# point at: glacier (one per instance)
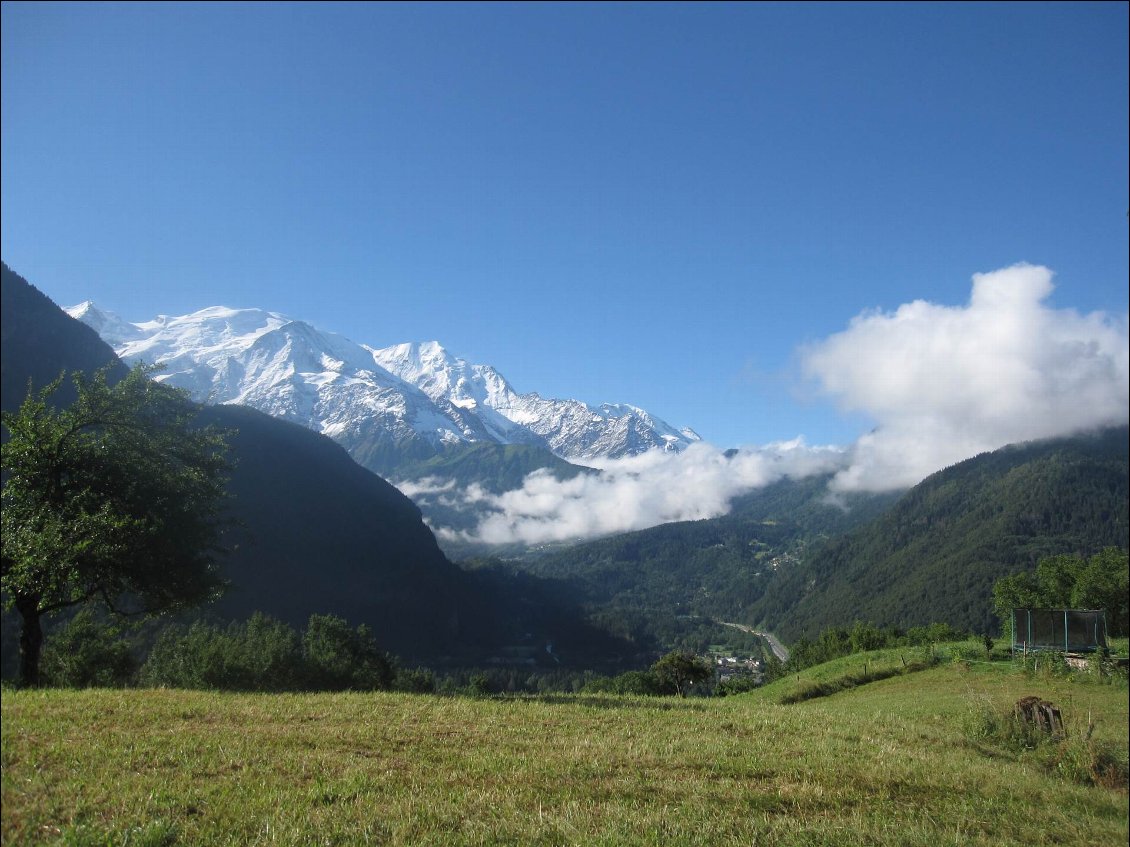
(386, 406)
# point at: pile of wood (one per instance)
(1041, 714)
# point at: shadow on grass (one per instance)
(604, 701)
(852, 680)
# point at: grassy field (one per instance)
(895, 761)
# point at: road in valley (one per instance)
(779, 649)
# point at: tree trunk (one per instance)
(31, 641)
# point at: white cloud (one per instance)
(945, 383)
(641, 491)
(426, 487)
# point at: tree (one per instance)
(679, 670)
(116, 498)
(1070, 582)
(1105, 584)
(88, 652)
(339, 657)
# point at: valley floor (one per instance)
(890, 762)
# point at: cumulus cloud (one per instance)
(945, 383)
(639, 492)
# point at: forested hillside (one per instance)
(935, 555)
(793, 561)
(655, 583)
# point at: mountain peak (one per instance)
(410, 400)
(113, 329)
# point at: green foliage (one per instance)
(679, 670)
(261, 654)
(1070, 582)
(88, 652)
(340, 658)
(736, 685)
(938, 551)
(1105, 584)
(635, 683)
(264, 654)
(116, 498)
(414, 681)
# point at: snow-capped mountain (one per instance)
(385, 405)
(572, 429)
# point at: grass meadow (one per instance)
(905, 760)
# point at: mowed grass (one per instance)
(886, 763)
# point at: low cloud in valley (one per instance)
(638, 492)
(942, 384)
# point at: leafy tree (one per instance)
(1105, 584)
(679, 670)
(88, 652)
(269, 653)
(261, 654)
(1070, 582)
(196, 657)
(339, 657)
(867, 636)
(1018, 591)
(414, 681)
(116, 498)
(737, 685)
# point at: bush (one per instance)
(340, 658)
(88, 652)
(736, 685)
(635, 683)
(679, 671)
(418, 681)
(265, 654)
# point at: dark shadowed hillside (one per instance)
(38, 340)
(316, 532)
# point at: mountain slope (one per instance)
(317, 532)
(642, 584)
(38, 341)
(787, 559)
(935, 555)
(388, 407)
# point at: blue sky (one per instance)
(649, 203)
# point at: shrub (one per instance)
(339, 658)
(417, 681)
(265, 654)
(88, 652)
(736, 685)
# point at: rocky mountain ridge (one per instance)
(387, 406)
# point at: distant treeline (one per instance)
(263, 654)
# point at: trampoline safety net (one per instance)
(1069, 630)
